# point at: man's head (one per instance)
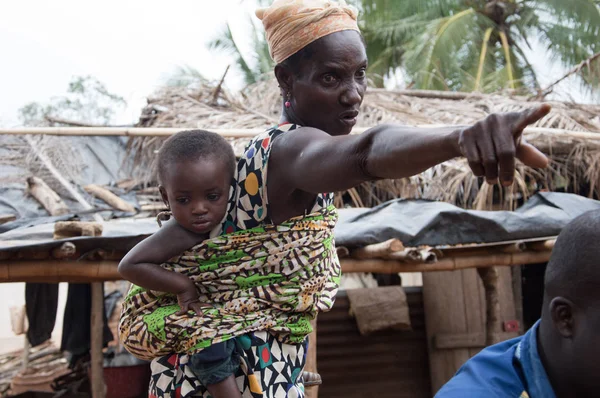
(570, 328)
(195, 169)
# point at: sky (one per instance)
(129, 45)
(132, 46)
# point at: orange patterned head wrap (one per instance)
(291, 25)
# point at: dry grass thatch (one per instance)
(573, 166)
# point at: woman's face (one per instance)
(330, 83)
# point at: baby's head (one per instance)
(195, 169)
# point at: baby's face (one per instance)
(197, 193)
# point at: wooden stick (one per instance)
(489, 277)
(378, 250)
(110, 198)
(49, 199)
(72, 191)
(4, 218)
(97, 328)
(311, 360)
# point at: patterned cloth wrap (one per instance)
(266, 283)
(272, 278)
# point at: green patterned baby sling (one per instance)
(274, 278)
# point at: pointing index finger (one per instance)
(531, 116)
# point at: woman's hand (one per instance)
(188, 300)
(492, 144)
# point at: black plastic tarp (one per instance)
(414, 222)
(421, 222)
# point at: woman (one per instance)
(321, 64)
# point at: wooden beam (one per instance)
(52, 270)
(446, 263)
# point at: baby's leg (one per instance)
(215, 367)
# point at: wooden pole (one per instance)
(445, 264)
(489, 277)
(311, 360)
(97, 328)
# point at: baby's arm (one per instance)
(141, 265)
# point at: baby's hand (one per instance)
(188, 300)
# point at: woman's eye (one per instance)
(361, 73)
(329, 78)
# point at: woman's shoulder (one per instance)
(260, 145)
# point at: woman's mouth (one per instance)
(349, 118)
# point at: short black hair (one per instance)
(573, 271)
(192, 145)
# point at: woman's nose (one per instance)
(351, 95)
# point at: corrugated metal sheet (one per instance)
(386, 364)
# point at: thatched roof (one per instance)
(258, 106)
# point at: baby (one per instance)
(195, 171)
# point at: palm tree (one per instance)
(478, 45)
(255, 65)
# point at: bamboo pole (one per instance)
(123, 131)
(445, 264)
(530, 132)
(106, 270)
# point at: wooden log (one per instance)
(59, 177)
(379, 308)
(110, 198)
(4, 218)
(378, 250)
(489, 277)
(64, 251)
(542, 246)
(411, 255)
(342, 251)
(516, 247)
(49, 199)
(96, 325)
(70, 229)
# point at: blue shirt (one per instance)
(511, 369)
